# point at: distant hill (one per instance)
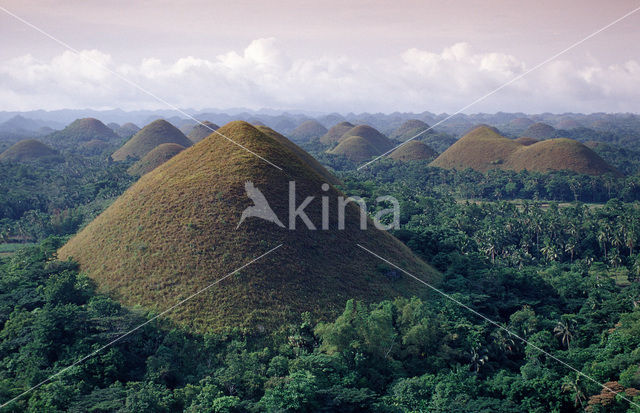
(154, 134)
(156, 157)
(540, 131)
(308, 130)
(334, 133)
(361, 143)
(82, 130)
(29, 150)
(373, 136)
(483, 149)
(413, 151)
(356, 149)
(526, 141)
(127, 130)
(201, 131)
(409, 129)
(177, 230)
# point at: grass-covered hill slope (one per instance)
(372, 135)
(484, 148)
(539, 131)
(29, 150)
(154, 134)
(526, 141)
(308, 130)
(176, 231)
(413, 151)
(82, 130)
(158, 155)
(334, 133)
(201, 131)
(559, 154)
(127, 130)
(356, 149)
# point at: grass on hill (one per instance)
(413, 151)
(373, 136)
(308, 130)
(154, 134)
(159, 155)
(82, 130)
(201, 131)
(483, 149)
(30, 150)
(176, 231)
(409, 129)
(356, 149)
(334, 134)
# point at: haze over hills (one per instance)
(484, 148)
(29, 150)
(176, 230)
(156, 157)
(152, 135)
(201, 131)
(308, 130)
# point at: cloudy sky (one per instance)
(322, 56)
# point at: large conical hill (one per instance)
(176, 231)
(29, 150)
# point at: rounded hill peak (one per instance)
(156, 133)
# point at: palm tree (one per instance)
(573, 386)
(563, 331)
(478, 357)
(570, 247)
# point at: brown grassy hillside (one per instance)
(28, 150)
(154, 134)
(413, 151)
(559, 154)
(308, 130)
(174, 232)
(335, 132)
(156, 157)
(372, 135)
(127, 130)
(483, 149)
(82, 130)
(540, 131)
(526, 141)
(355, 148)
(201, 131)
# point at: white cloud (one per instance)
(263, 75)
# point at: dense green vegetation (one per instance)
(42, 199)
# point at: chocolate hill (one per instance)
(201, 131)
(177, 230)
(335, 132)
(156, 157)
(409, 129)
(483, 149)
(28, 150)
(82, 130)
(154, 134)
(308, 130)
(413, 151)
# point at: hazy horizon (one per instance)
(364, 56)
